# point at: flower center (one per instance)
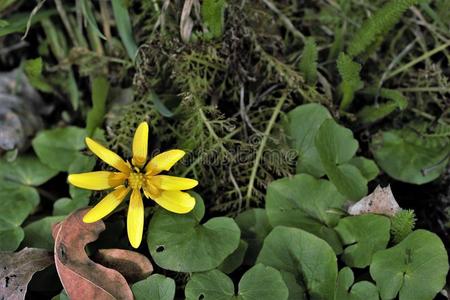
(135, 180)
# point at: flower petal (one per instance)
(106, 205)
(108, 156)
(135, 219)
(140, 143)
(164, 161)
(173, 183)
(176, 201)
(99, 180)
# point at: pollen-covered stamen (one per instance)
(135, 180)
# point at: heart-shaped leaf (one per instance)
(307, 262)
(81, 277)
(254, 226)
(155, 287)
(10, 236)
(27, 170)
(336, 147)
(180, 243)
(258, 283)
(302, 126)
(364, 235)
(16, 270)
(307, 203)
(367, 167)
(345, 289)
(59, 147)
(132, 265)
(405, 156)
(235, 259)
(415, 269)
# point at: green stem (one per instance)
(272, 120)
(417, 60)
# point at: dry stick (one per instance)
(417, 60)
(104, 12)
(272, 120)
(33, 12)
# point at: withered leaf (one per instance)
(81, 277)
(380, 201)
(16, 270)
(132, 265)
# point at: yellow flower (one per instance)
(136, 177)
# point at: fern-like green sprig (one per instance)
(308, 61)
(351, 81)
(379, 24)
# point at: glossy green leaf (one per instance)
(38, 234)
(155, 287)
(235, 259)
(364, 235)
(406, 159)
(10, 236)
(337, 146)
(415, 269)
(308, 203)
(302, 125)
(17, 202)
(180, 243)
(367, 167)
(123, 24)
(309, 260)
(346, 290)
(59, 147)
(258, 283)
(254, 226)
(27, 170)
(33, 70)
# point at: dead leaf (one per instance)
(381, 201)
(81, 277)
(132, 265)
(16, 270)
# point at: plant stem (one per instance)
(272, 120)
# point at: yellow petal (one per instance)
(108, 156)
(106, 205)
(164, 161)
(173, 183)
(176, 201)
(135, 219)
(140, 143)
(99, 180)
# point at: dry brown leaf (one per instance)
(81, 277)
(16, 270)
(132, 265)
(380, 201)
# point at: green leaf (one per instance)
(302, 126)
(86, 9)
(59, 147)
(351, 81)
(308, 203)
(10, 236)
(33, 70)
(180, 243)
(235, 259)
(27, 170)
(308, 61)
(159, 105)
(213, 16)
(18, 22)
(367, 167)
(254, 226)
(308, 259)
(17, 202)
(99, 88)
(124, 27)
(373, 113)
(336, 147)
(155, 287)
(345, 289)
(38, 234)
(404, 158)
(258, 283)
(415, 269)
(364, 235)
